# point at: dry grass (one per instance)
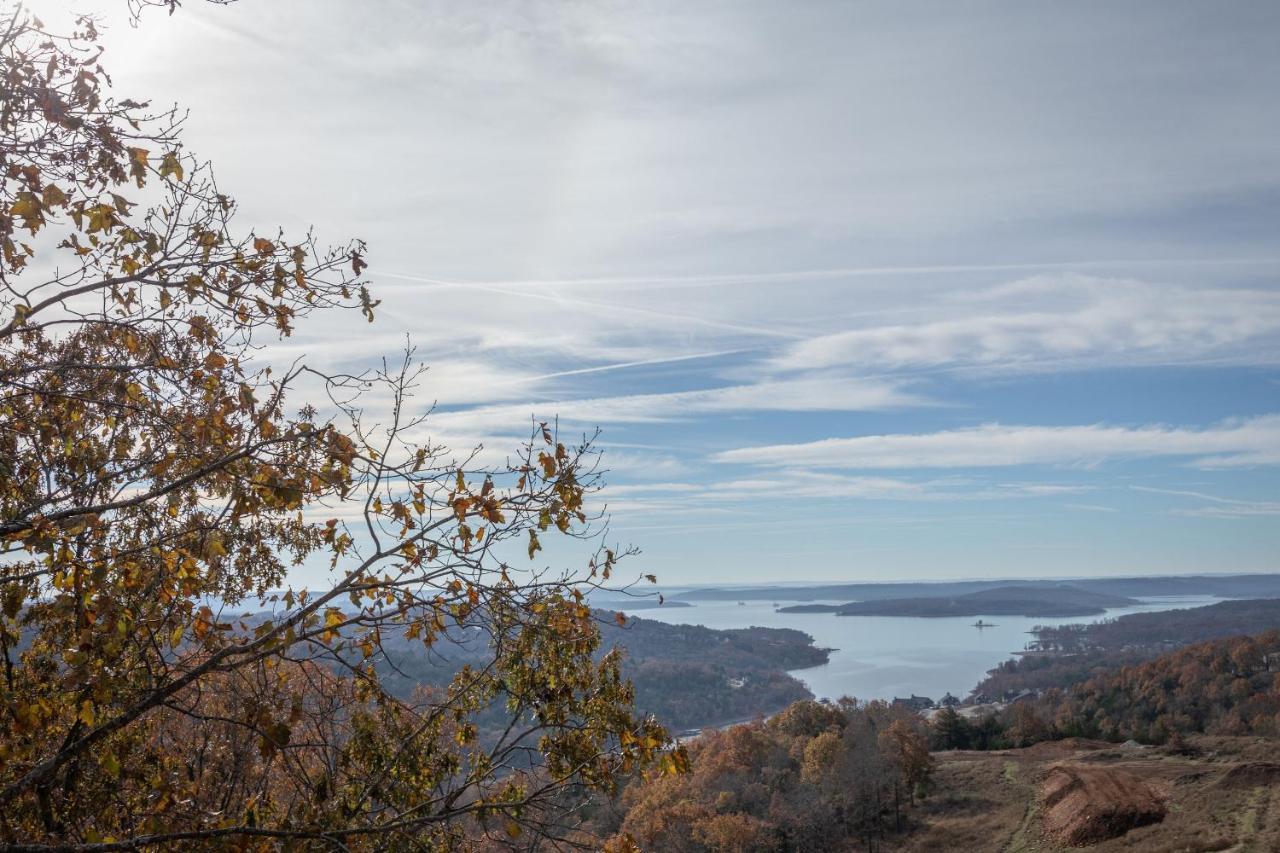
(1217, 803)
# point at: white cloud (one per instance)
(1255, 441)
(806, 485)
(813, 394)
(1060, 320)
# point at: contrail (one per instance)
(713, 280)
(589, 303)
(626, 364)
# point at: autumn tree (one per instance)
(1026, 726)
(163, 683)
(908, 749)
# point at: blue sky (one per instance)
(855, 290)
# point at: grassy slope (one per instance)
(990, 801)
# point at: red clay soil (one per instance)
(1064, 748)
(1085, 805)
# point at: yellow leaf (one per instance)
(216, 548)
(203, 623)
(138, 164)
(102, 217)
(171, 165)
(86, 715)
(53, 196)
(27, 206)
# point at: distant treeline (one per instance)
(1224, 586)
(1165, 628)
(1017, 600)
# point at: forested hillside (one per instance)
(1164, 629)
(688, 676)
(1227, 687)
(815, 777)
(1074, 653)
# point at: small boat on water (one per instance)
(981, 624)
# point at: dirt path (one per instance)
(1026, 836)
(1253, 822)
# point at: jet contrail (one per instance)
(623, 365)
(721, 279)
(502, 290)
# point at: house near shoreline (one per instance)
(914, 702)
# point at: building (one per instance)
(915, 703)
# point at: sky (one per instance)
(855, 291)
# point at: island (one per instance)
(640, 603)
(1017, 600)
(1223, 586)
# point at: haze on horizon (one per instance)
(855, 291)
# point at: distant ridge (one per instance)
(1017, 600)
(1224, 586)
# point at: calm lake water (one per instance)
(879, 657)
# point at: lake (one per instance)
(879, 657)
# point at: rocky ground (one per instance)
(1217, 794)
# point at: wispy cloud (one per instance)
(1220, 507)
(1254, 441)
(813, 486)
(1047, 321)
(801, 276)
(597, 307)
(1256, 510)
(704, 228)
(813, 394)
